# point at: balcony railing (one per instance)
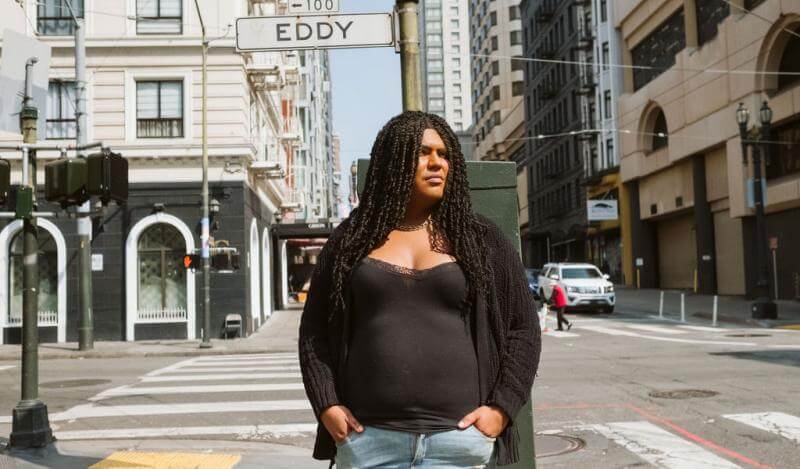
(46, 318)
(265, 70)
(159, 315)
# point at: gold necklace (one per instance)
(413, 227)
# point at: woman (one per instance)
(558, 300)
(418, 342)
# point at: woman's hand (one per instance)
(490, 420)
(339, 422)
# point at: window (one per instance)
(435, 78)
(48, 279)
(455, 36)
(436, 91)
(159, 109)
(159, 17)
(784, 159)
(433, 14)
(457, 63)
(458, 101)
(493, 18)
(457, 114)
(54, 17)
(517, 88)
(457, 88)
(435, 65)
(454, 11)
(455, 48)
(607, 104)
(517, 63)
(495, 68)
(516, 38)
(710, 13)
(433, 38)
(657, 51)
(606, 59)
(495, 44)
(162, 279)
(436, 104)
(434, 52)
(660, 133)
(456, 75)
(61, 122)
(789, 63)
(603, 11)
(609, 152)
(513, 13)
(454, 24)
(434, 26)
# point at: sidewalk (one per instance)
(278, 334)
(731, 309)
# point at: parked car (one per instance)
(533, 280)
(585, 286)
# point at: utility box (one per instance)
(493, 189)
(21, 200)
(5, 181)
(107, 177)
(65, 181)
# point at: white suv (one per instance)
(583, 284)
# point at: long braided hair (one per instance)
(389, 185)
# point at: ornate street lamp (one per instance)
(763, 307)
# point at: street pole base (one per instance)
(763, 308)
(30, 426)
(205, 345)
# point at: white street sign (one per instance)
(313, 6)
(265, 33)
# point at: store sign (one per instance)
(602, 210)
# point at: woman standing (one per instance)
(418, 342)
(558, 300)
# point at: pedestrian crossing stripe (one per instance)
(561, 334)
(654, 328)
(784, 425)
(250, 432)
(137, 460)
(660, 447)
(219, 376)
(213, 388)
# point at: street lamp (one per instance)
(763, 307)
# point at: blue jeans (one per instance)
(391, 449)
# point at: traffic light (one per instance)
(225, 259)
(192, 261)
(5, 180)
(108, 177)
(65, 181)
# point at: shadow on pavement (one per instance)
(776, 357)
(42, 457)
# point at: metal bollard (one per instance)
(714, 312)
(683, 307)
(661, 306)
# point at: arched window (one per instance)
(162, 279)
(790, 62)
(48, 280)
(660, 135)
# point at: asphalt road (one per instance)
(615, 391)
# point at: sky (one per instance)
(365, 85)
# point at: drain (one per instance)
(75, 383)
(548, 445)
(683, 394)
(748, 335)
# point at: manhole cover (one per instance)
(75, 383)
(683, 394)
(553, 445)
(748, 335)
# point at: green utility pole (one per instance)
(30, 424)
(409, 55)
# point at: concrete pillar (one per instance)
(690, 22)
(645, 244)
(704, 230)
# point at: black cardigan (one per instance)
(507, 341)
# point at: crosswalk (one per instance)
(243, 397)
(670, 446)
(661, 331)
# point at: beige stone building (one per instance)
(691, 225)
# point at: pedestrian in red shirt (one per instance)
(558, 300)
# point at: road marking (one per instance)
(607, 330)
(659, 329)
(235, 369)
(160, 379)
(85, 411)
(279, 356)
(245, 363)
(7, 367)
(785, 425)
(242, 431)
(561, 334)
(704, 329)
(129, 391)
(194, 460)
(659, 447)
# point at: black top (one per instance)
(412, 364)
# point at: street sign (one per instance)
(266, 33)
(599, 210)
(313, 6)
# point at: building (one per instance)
(559, 118)
(444, 42)
(682, 162)
(601, 171)
(269, 151)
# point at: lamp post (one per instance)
(763, 307)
